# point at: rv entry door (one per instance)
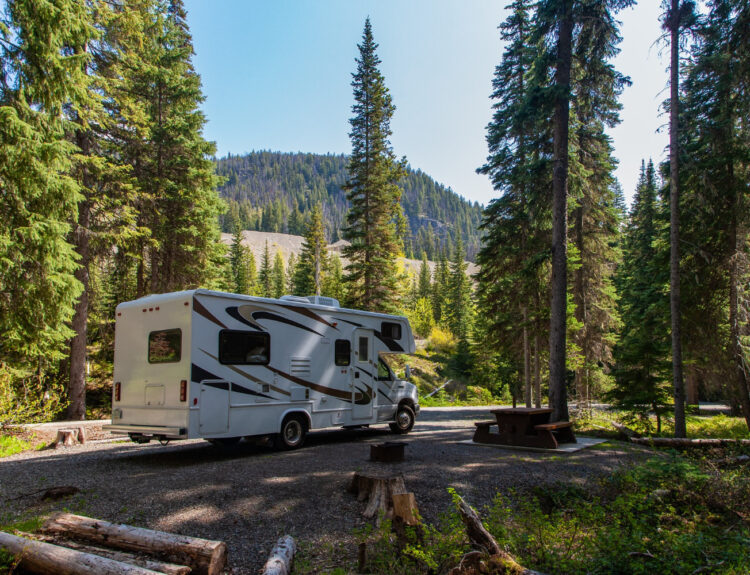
(363, 373)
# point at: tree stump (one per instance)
(66, 437)
(378, 490)
(405, 508)
(81, 435)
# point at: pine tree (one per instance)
(265, 278)
(278, 276)
(440, 290)
(238, 256)
(424, 286)
(460, 315)
(42, 75)
(642, 353)
(173, 165)
(333, 282)
(312, 267)
(372, 189)
(291, 271)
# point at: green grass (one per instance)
(10, 444)
(668, 514)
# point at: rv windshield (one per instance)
(384, 372)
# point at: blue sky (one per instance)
(277, 75)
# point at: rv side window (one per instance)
(343, 352)
(390, 330)
(165, 346)
(364, 348)
(244, 347)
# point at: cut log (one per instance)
(202, 555)
(66, 437)
(483, 540)
(122, 556)
(48, 559)
(625, 431)
(378, 490)
(682, 442)
(405, 508)
(281, 558)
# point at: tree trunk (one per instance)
(78, 344)
(121, 556)
(579, 297)
(674, 223)
(203, 556)
(537, 371)
(47, 559)
(526, 359)
(282, 555)
(741, 384)
(558, 320)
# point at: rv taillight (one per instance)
(117, 391)
(183, 390)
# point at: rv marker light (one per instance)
(117, 391)
(195, 401)
(183, 390)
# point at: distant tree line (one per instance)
(276, 192)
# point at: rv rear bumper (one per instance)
(155, 430)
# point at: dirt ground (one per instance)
(251, 495)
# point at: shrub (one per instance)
(441, 340)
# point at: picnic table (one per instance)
(525, 427)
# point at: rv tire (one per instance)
(404, 420)
(293, 432)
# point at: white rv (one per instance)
(219, 366)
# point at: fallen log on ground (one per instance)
(202, 555)
(499, 561)
(683, 442)
(122, 556)
(378, 490)
(281, 558)
(47, 559)
(625, 431)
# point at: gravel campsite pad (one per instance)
(251, 495)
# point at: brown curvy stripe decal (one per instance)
(309, 313)
(247, 375)
(337, 393)
(363, 397)
(201, 309)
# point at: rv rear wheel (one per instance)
(404, 420)
(293, 431)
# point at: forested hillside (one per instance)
(275, 192)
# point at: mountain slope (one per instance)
(274, 191)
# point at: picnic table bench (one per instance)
(524, 427)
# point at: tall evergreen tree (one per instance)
(460, 304)
(265, 277)
(279, 276)
(333, 281)
(41, 75)
(313, 265)
(291, 272)
(424, 286)
(172, 161)
(372, 189)
(642, 353)
(238, 261)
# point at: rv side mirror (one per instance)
(407, 371)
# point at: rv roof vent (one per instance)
(322, 300)
(297, 298)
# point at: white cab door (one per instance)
(363, 373)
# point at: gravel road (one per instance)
(250, 496)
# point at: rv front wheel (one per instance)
(293, 431)
(404, 420)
